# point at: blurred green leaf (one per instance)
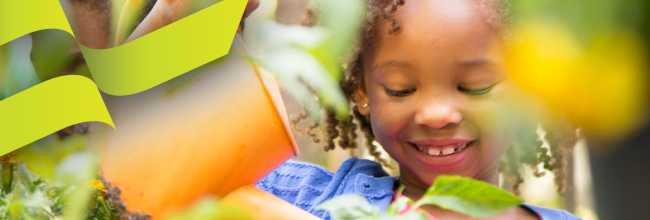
(389, 217)
(52, 52)
(42, 156)
(197, 5)
(4, 61)
(41, 164)
(349, 207)
(208, 208)
(415, 216)
(31, 197)
(298, 67)
(303, 59)
(126, 18)
(62, 164)
(264, 36)
(468, 196)
(585, 17)
(342, 18)
(400, 203)
(79, 169)
(20, 73)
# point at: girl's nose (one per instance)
(438, 114)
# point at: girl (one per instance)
(428, 82)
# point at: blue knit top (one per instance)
(306, 186)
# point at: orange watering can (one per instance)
(225, 129)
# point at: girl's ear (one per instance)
(361, 97)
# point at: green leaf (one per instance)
(468, 196)
(78, 169)
(415, 216)
(295, 67)
(20, 74)
(352, 207)
(264, 36)
(306, 58)
(343, 18)
(52, 52)
(398, 205)
(390, 217)
(42, 156)
(208, 208)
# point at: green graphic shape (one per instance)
(18, 18)
(145, 62)
(168, 52)
(48, 107)
(124, 70)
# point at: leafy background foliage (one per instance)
(464, 195)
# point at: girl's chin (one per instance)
(447, 162)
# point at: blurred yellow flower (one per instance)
(97, 184)
(600, 86)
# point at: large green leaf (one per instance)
(468, 196)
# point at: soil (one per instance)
(113, 194)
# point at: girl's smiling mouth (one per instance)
(442, 154)
(442, 150)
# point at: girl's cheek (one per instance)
(388, 118)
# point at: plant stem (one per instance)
(7, 177)
(101, 199)
(416, 205)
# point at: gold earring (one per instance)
(365, 105)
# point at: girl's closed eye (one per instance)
(398, 93)
(476, 92)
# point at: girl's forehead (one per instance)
(453, 31)
(440, 18)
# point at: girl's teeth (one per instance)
(434, 151)
(447, 151)
(461, 148)
(442, 151)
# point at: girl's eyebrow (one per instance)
(474, 62)
(392, 63)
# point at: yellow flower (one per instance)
(97, 184)
(600, 85)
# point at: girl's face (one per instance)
(437, 92)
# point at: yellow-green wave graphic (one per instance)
(168, 52)
(21, 17)
(124, 70)
(68, 99)
(145, 62)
